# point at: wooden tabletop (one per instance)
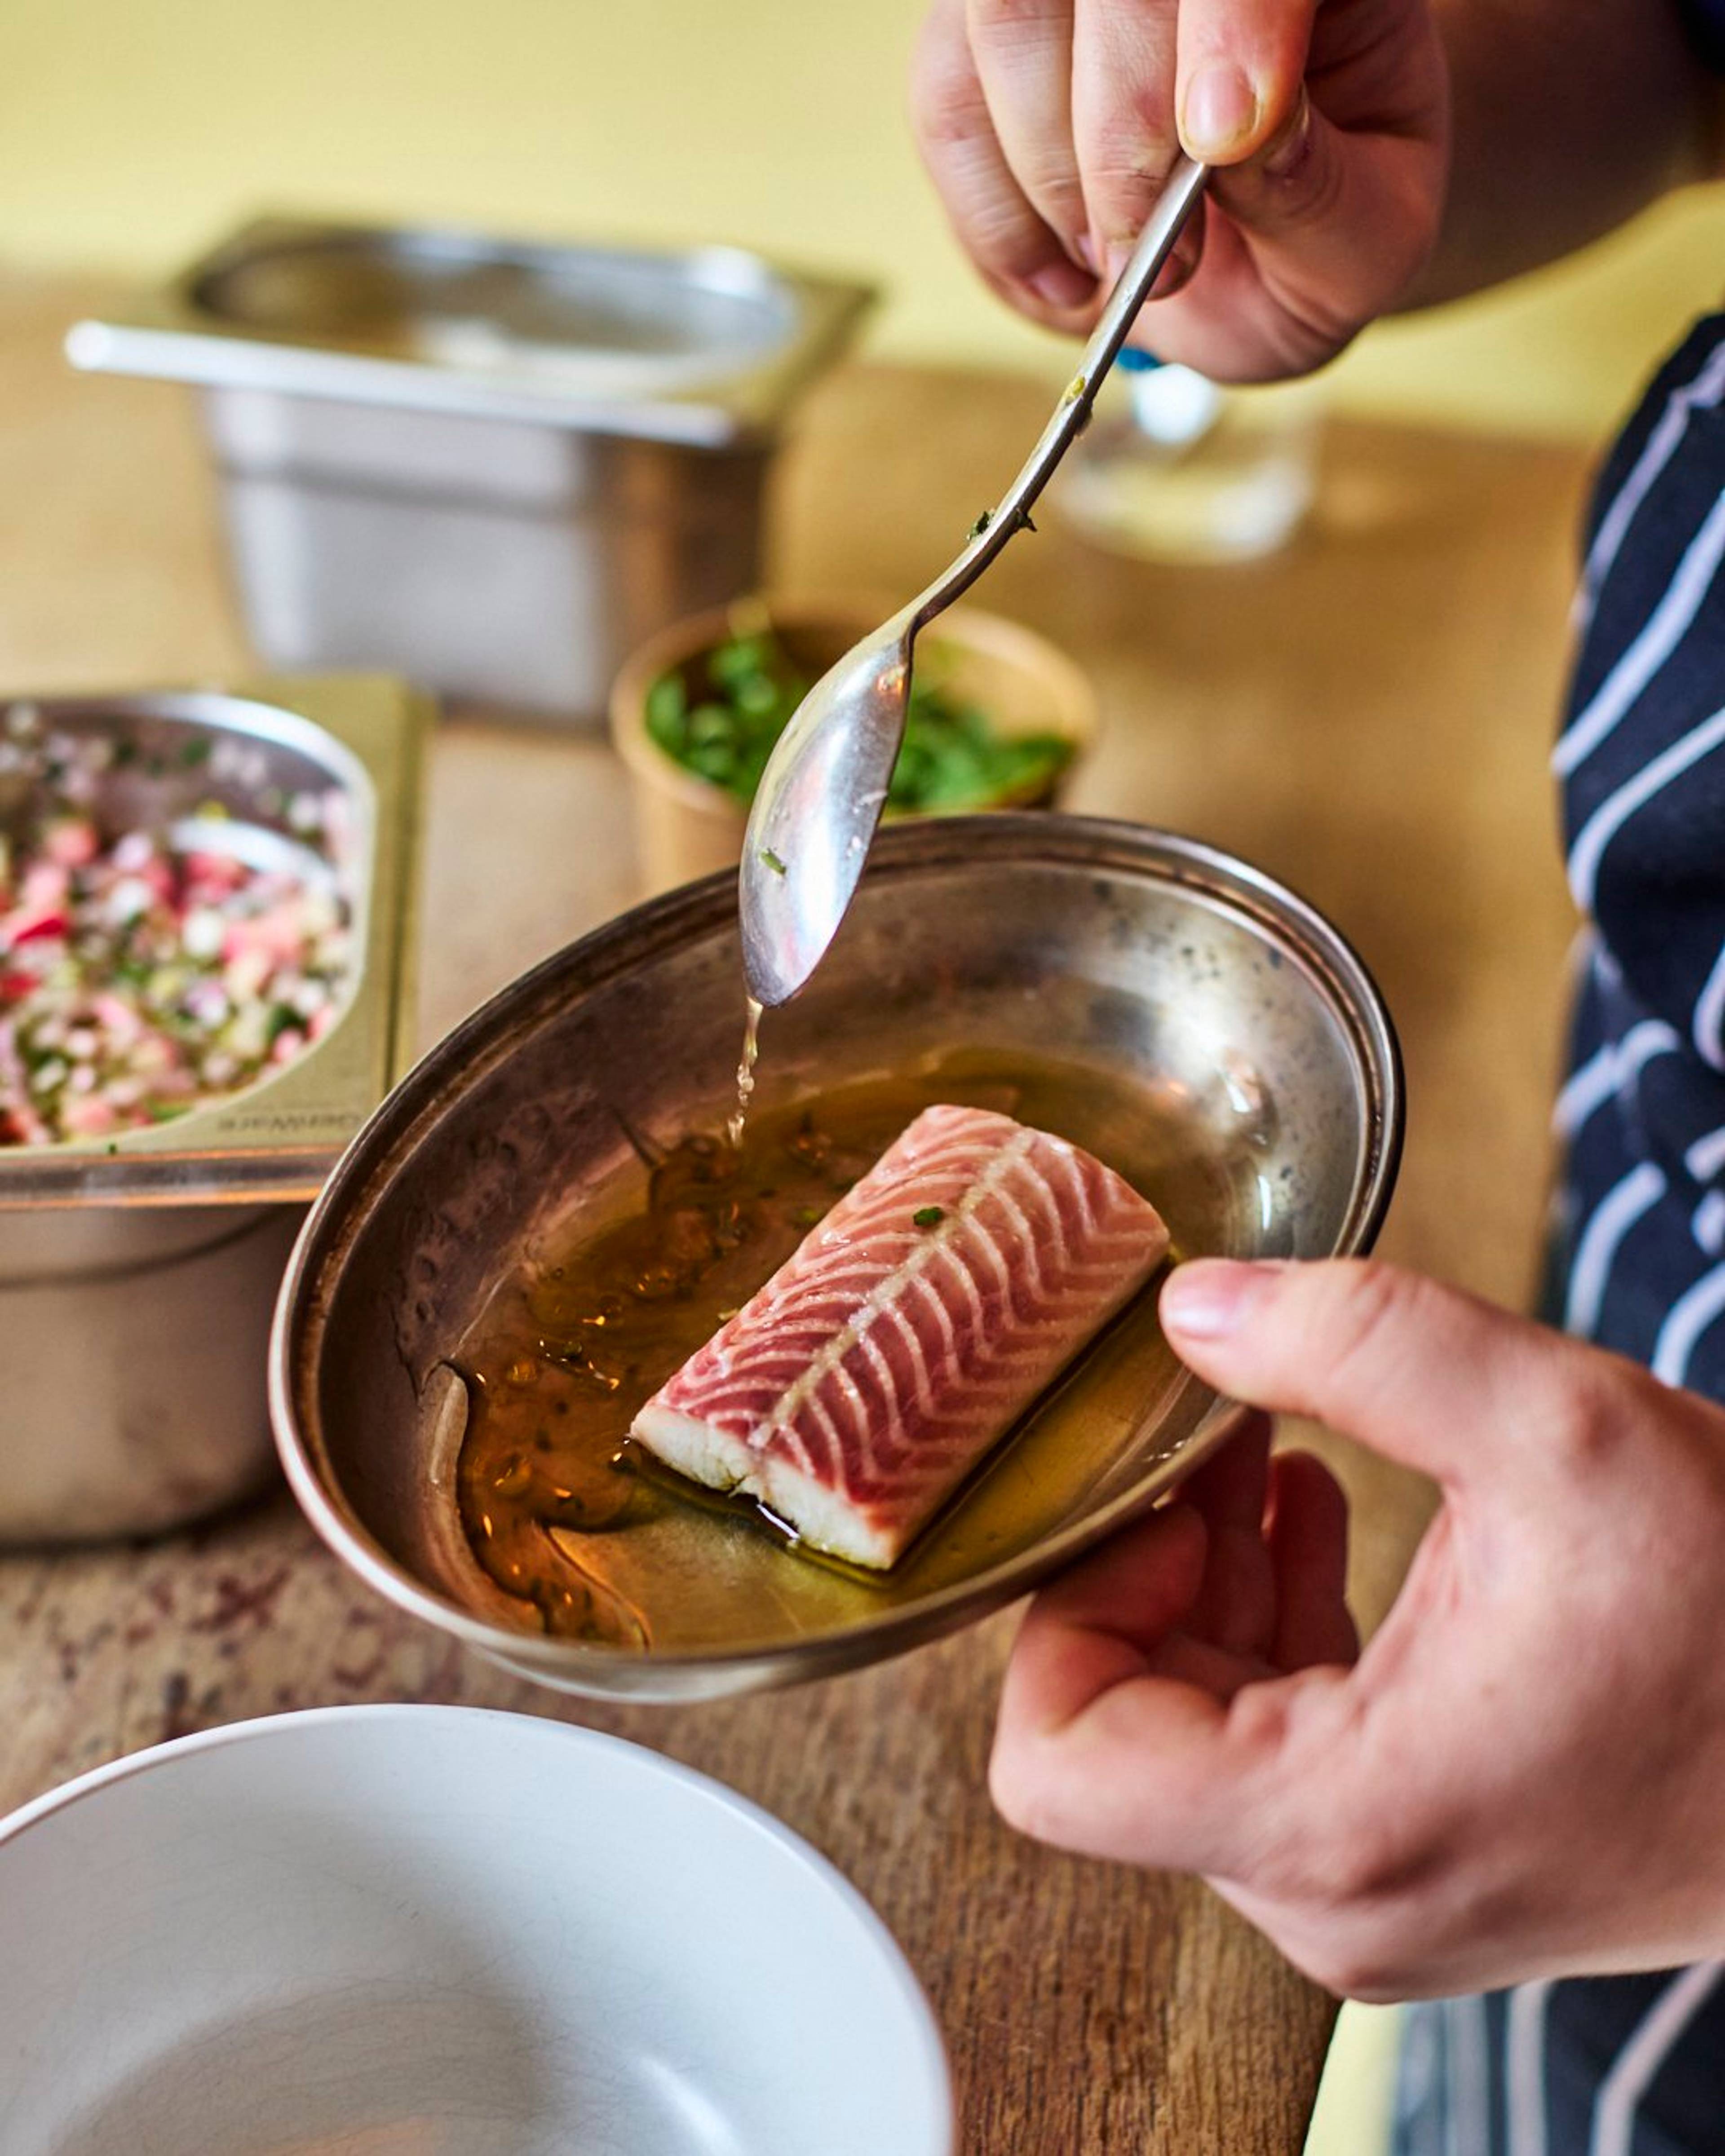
(1365, 716)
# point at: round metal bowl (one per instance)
(1241, 1045)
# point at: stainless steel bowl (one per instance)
(137, 1274)
(1247, 1060)
(494, 466)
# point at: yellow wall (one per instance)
(132, 130)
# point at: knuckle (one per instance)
(1123, 174)
(946, 107)
(1258, 1720)
(1340, 1864)
(1321, 1873)
(1050, 179)
(1375, 1300)
(1013, 17)
(1585, 1417)
(1002, 239)
(1370, 1864)
(1594, 1405)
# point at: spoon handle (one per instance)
(1179, 197)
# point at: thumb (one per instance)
(1420, 1373)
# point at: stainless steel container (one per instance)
(137, 1274)
(493, 468)
(1250, 1066)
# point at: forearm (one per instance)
(1568, 117)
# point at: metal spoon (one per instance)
(821, 794)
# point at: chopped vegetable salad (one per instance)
(142, 974)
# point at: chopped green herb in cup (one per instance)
(723, 720)
(929, 1216)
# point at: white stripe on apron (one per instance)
(1707, 387)
(1688, 1317)
(1641, 2059)
(1607, 1073)
(1618, 1211)
(1707, 1029)
(1524, 2070)
(1468, 2071)
(1666, 626)
(1615, 811)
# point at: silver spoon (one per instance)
(822, 793)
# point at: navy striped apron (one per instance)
(1629, 2065)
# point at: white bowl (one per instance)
(419, 1931)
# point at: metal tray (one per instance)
(277, 1139)
(493, 467)
(137, 1274)
(706, 347)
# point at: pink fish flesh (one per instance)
(909, 1331)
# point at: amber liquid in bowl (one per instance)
(594, 1541)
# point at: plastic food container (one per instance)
(137, 1271)
(493, 468)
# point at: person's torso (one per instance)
(1641, 757)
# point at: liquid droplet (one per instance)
(745, 1072)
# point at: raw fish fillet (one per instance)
(909, 1331)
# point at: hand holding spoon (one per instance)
(821, 794)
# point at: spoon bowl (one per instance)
(808, 841)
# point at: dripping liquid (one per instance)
(745, 1072)
(588, 1540)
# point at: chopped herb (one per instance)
(773, 860)
(1075, 389)
(929, 1216)
(709, 726)
(982, 524)
(735, 665)
(667, 710)
(196, 752)
(805, 1216)
(720, 717)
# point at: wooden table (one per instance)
(1366, 716)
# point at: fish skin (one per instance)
(859, 1386)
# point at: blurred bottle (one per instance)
(1176, 470)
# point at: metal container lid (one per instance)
(706, 347)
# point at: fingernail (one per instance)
(1221, 110)
(1062, 284)
(1175, 274)
(1289, 146)
(1086, 249)
(1210, 1297)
